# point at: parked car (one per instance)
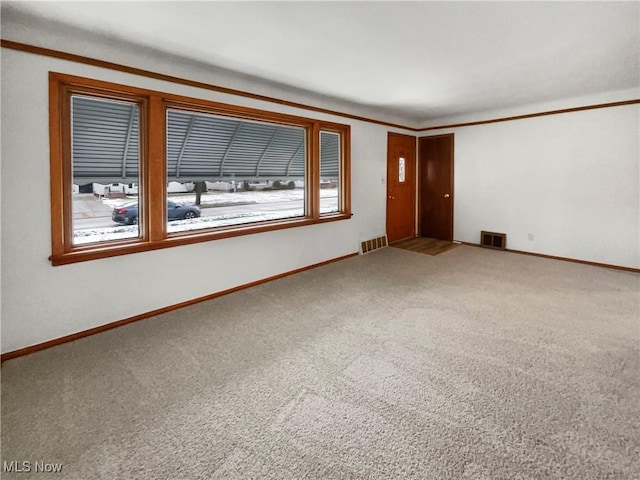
(128, 214)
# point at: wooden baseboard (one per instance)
(102, 328)
(566, 259)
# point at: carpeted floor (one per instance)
(473, 364)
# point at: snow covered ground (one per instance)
(229, 198)
(216, 201)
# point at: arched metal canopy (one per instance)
(199, 146)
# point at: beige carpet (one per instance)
(473, 364)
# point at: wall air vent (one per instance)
(493, 240)
(374, 244)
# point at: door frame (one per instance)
(420, 186)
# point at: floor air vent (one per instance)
(373, 244)
(493, 240)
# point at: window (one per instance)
(330, 159)
(135, 170)
(105, 161)
(244, 171)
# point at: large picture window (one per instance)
(237, 171)
(134, 170)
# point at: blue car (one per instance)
(128, 214)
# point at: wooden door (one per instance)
(401, 187)
(435, 198)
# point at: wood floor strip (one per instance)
(429, 246)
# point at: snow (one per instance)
(120, 232)
(230, 198)
(82, 237)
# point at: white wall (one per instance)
(41, 302)
(42, 32)
(571, 180)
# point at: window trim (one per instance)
(152, 169)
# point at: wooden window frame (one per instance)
(152, 194)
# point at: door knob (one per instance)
(446, 195)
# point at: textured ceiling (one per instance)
(416, 60)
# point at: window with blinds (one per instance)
(134, 170)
